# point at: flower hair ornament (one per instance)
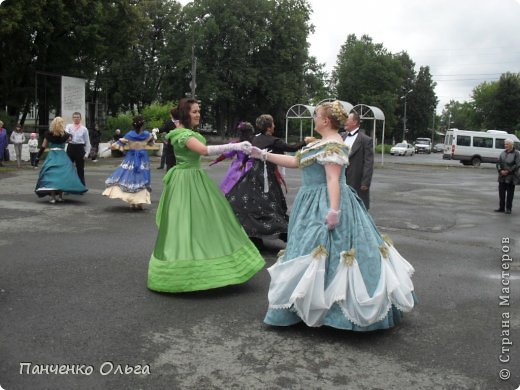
(338, 112)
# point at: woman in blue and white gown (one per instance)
(337, 269)
(131, 181)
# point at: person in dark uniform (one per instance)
(168, 153)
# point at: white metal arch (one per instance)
(303, 111)
(346, 105)
(374, 114)
(365, 112)
(299, 111)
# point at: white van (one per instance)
(423, 145)
(475, 147)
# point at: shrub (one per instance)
(121, 121)
(386, 146)
(156, 114)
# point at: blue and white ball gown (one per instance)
(350, 277)
(131, 181)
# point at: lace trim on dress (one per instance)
(324, 153)
(299, 284)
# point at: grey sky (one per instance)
(465, 42)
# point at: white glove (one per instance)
(259, 154)
(332, 218)
(244, 146)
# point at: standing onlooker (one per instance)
(200, 244)
(79, 145)
(33, 150)
(116, 152)
(361, 157)
(508, 176)
(117, 135)
(164, 142)
(95, 139)
(17, 139)
(3, 144)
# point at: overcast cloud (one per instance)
(464, 42)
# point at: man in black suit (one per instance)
(168, 153)
(361, 158)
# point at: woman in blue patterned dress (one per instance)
(337, 269)
(57, 174)
(131, 181)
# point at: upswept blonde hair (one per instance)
(57, 126)
(335, 112)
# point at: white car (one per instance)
(402, 149)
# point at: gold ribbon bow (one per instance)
(348, 257)
(384, 251)
(319, 251)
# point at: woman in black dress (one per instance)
(258, 199)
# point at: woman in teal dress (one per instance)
(337, 269)
(57, 174)
(200, 244)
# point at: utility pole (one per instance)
(404, 117)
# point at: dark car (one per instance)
(438, 148)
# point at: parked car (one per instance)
(402, 149)
(423, 145)
(438, 148)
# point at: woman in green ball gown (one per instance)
(200, 244)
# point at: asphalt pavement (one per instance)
(75, 312)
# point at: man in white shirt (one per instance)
(78, 148)
(361, 158)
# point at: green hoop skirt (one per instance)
(200, 244)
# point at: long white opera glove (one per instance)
(332, 218)
(244, 146)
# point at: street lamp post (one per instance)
(193, 82)
(404, 116)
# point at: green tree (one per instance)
(317, 83)
(252, 57)
(506, 113)
(59, 38)
(421, 105)
(484, 102)
(459, 116)
(134, 79)
(367, 73)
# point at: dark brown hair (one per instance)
(184, 111)
(138, 123)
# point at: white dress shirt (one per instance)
(349, 140)
(79, 136)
